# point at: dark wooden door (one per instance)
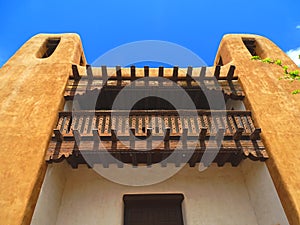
(153, 209)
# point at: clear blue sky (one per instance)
(103, 25)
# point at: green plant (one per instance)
(288, 75)
(267, 60)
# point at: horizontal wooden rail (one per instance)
(118, 79)
(93, 131)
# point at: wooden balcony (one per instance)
(146, 137)
(87, 81)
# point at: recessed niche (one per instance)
(48, 48)
(250, 44)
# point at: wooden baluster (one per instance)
(149, 139)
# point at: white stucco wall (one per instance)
(49, 201)
(219, 195)
(262, 193)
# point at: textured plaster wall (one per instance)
(215, 196)
(274, 109)
(262, 193)
(31, 95)
(49, 201)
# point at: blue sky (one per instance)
(196, 25)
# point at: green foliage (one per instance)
(288, 75)
(278, 62)
(267, 60)
(256, 57)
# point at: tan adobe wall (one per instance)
(32, 90)
(31, 95)
(275, 110)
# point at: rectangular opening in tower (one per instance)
(50, 46)
(250, 44)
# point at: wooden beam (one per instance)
(167, 139)
(89, 76)
(194, 159)
(75, 72)
(184, 138)
(77, 136)
(132, 73)
(189, 75)
(230, 73)
(104, 160)
(146, 71)
(202, 72)
(202, 135)
(238, 134)
(217, 72)
(149, 139)
(58, 135)
(149, 159)
(220, 136)
(119, 74)
(134, 159)
(222, 159)
(89, 72)
(104, 73)
(131, 138)
(161, 71)
(96, 137)
(255, 134)
(175, 73)
(189, 72)
(119, 158)
(146, 74)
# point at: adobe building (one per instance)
(51, 154)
